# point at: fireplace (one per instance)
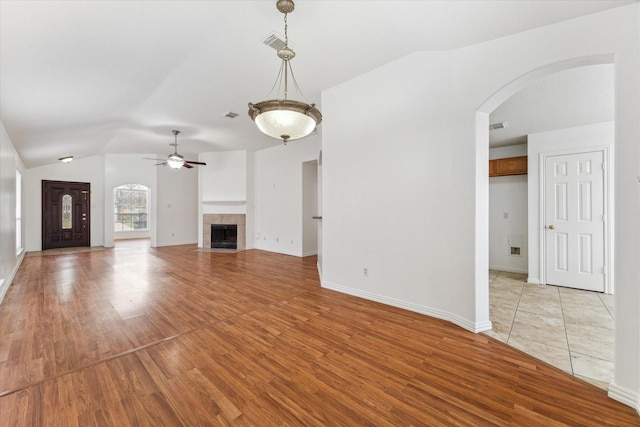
(224, 236)
(239, 220)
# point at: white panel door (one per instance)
(574, 220)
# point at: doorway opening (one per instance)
(310, 208)
(569, 328)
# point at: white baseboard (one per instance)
(534, 281)
(508, 269)
(310, 253)
(623, 395)
(483, 326)
(161, 245)
(275, 251)
(474, 327)
(4, 285)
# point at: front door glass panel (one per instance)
(66, 212)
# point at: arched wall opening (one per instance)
(482, 150)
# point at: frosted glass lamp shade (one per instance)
(285, 119)
(175, 161)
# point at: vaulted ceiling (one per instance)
(89, 77)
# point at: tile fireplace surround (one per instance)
(238, 219)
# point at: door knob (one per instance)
(551, 227)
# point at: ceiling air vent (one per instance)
(275, 41)
(498, 126)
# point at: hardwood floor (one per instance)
(173, 336)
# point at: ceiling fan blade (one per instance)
(161, 164)
(195, 163)
(187, 165)
(149, 158)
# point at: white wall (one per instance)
(508, 198)
(89, 169)
(398, 190)
(509, 151)
(9, 259)
(583, 137)
(225, 176)
(407, 144)
(226, 187)
(278, 189)
(177, 205)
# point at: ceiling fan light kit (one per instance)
(285, 118)
(175, 160)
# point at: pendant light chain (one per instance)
(287, 65)
(286, 61)
(286, 36)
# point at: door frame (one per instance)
(608, 210)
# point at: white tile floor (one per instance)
(568, 328)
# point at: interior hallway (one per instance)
(570, 329)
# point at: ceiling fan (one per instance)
(175, 160)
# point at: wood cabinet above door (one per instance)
(508, 166)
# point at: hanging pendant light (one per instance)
(285, 119)
(175, 160)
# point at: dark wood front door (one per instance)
(66, 220)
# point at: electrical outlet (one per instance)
(366, 271)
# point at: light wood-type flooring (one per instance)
(172, 336)
(571, 329)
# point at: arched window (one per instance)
(130, 207)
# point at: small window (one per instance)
(131, 206)
(66, 212)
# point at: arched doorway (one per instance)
(572, 356)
